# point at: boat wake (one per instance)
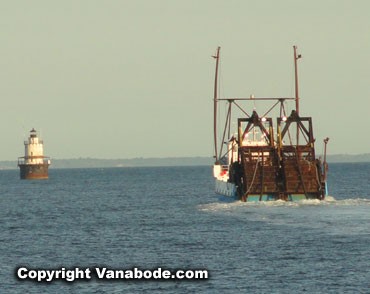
(329, 201)
(330, 216)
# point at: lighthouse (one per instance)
(34, 165)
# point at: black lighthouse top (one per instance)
(33, 133)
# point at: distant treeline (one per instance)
(97, 163)
(168, 161)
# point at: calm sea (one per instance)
(169, 217)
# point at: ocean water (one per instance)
(169, 217)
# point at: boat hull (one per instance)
(34, 171)
(228, 191)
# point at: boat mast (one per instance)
(296, 78)
(217, 57)
(325, 163)
(296, 57)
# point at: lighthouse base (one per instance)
(34, 171)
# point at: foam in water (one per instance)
(329, 200)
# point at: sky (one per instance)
(125, 79)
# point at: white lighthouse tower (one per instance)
(34, 165)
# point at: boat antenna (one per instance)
(217, 57)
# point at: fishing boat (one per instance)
(261, 161)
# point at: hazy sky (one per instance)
(122, 79)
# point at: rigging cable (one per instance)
(254, 176)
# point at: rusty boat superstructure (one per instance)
(267, 158)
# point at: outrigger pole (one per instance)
(217, 57)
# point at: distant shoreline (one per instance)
(167, 161)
